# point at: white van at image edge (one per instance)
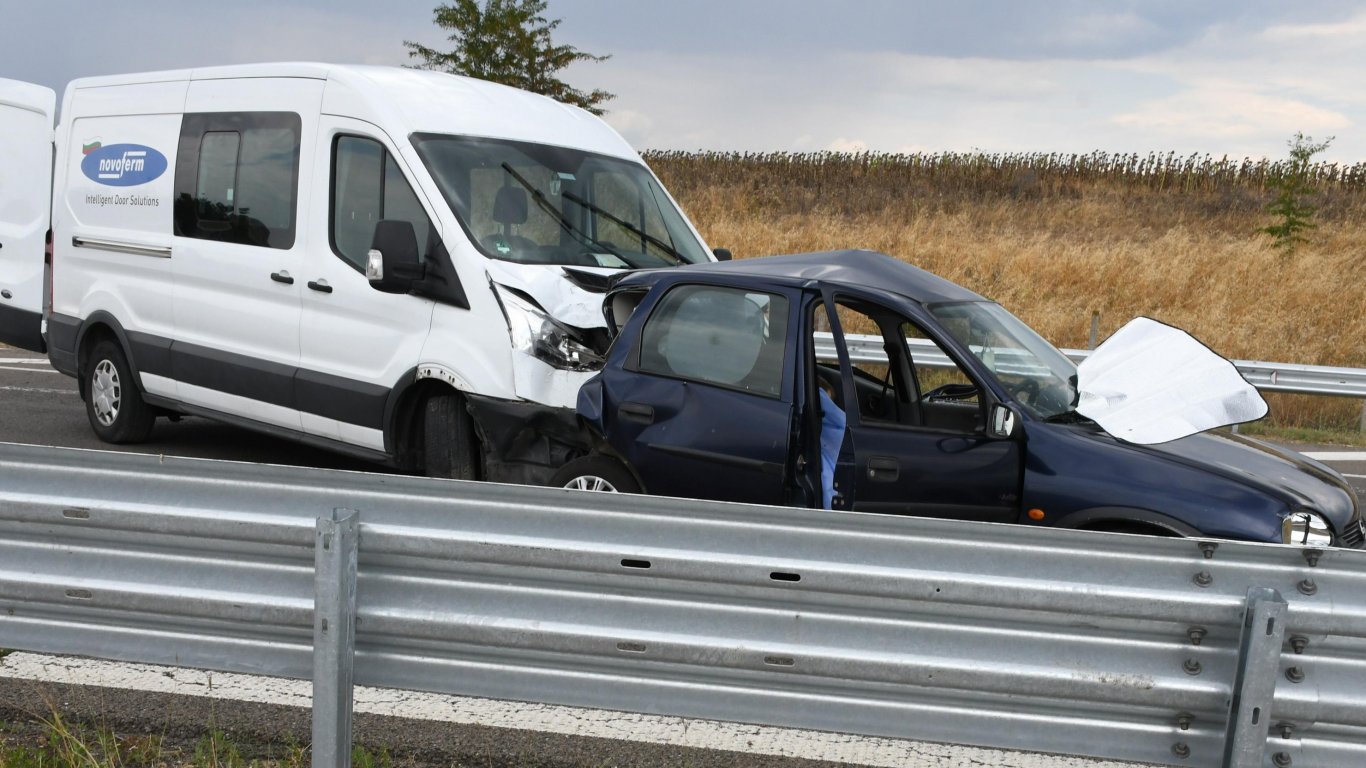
(400, 265)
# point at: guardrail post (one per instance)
(1259, 661)
(334, 636)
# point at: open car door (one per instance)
(26, 122)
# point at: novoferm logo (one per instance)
(122, 165)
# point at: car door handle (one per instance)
(637, 412)
(320, 286)
(282, 276)
(883, 469)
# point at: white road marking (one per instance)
(1337, 455)
(38, 390)
(675, 731)
(26, 370)
(1358, 477)
(25, 360)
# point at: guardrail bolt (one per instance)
(1298, 643)
(1203, 579)
(1307, 587)
(1192, 667)
(1183, 721)
(1197, 634)
(1181, 749)
(1282, 759)
(1294, 675)
(1207, 549)
(1311, 556)
(1287, 729)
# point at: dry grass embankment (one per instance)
(1056, 238)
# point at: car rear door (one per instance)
(26, 113)
(702, 407)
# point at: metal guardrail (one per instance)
(1269, 377)
(1175, 651)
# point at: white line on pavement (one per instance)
(1337, 455)
(678, 731)
(25, 360)
(26, 370)
(39, 390)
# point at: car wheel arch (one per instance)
(1114, 518)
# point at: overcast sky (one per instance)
(1235, 77)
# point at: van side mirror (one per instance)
(1002, 422)
(721, 254)
(392, 264)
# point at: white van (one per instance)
(402, 265)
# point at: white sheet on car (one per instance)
(1152, 383)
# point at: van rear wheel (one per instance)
(113, 401)
(449, 446)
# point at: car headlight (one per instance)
(1306, 529)
(535, 333)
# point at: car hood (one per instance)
(1299, 480)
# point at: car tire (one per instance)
(596, 472)
(113, 401)
(449, 447)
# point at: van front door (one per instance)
(26, 113)
(357, 343)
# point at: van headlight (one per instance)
(535, 333)
(1306, 529)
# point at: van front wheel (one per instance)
(449, 445)
(113, 401)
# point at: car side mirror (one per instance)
(1003, 422)
(721, 254)
(392, 264)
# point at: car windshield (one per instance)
(539, 204)
(1041, 378)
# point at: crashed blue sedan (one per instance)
(725, 380)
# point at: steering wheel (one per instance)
(1027, 391)
(955, 391)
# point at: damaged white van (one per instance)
(406, 266)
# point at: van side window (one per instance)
(367, 187)
(716, 335)
(237, 178)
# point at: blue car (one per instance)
(725, 380)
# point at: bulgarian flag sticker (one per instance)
(91, 147)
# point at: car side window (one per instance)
(367, 187)
(237, 178)
(725, 336)
(937, 375)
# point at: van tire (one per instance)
(596, 472)
(449, 447)
(113, 400)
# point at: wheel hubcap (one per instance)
(591, 483)
(106, 392)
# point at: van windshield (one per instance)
(539, 204)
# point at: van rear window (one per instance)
(237, 178)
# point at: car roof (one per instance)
(867, 270)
